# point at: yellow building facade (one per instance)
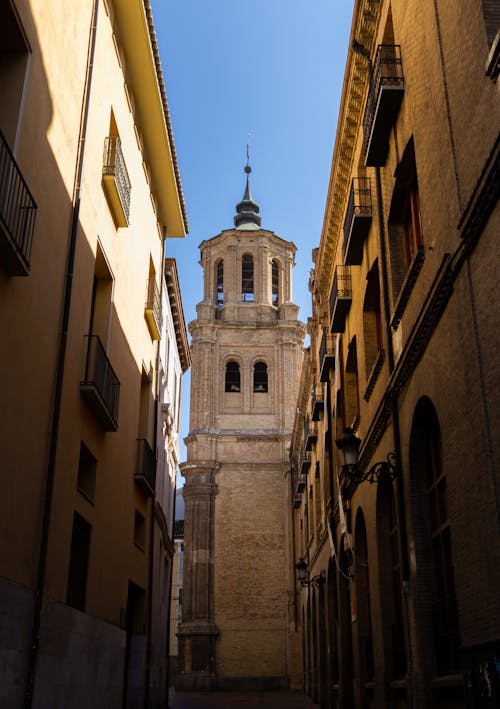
(397, 547)
(89, 190)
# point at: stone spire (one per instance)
(247, 211)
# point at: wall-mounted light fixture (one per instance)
(303, 577)
(348, 446)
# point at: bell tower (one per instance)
(246, 354)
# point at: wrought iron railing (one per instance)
(99, 374)
(360, 202)
(17, 208)
(146, 463)
(327, 347)
(317, 394)
(153, 300)
(387, 71)
(342, 285)
(114, 164)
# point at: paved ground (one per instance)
(239, 700)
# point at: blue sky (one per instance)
(271, 67)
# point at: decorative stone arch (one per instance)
(260, 375)
(232, 377)
(277, 274)
(248, 272)
(219, 281)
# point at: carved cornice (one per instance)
(366, 16)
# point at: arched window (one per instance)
(351, 385)
(247, 287)
(260, 378)
(275, 282)
(219, 283)
(233, 377)
(372, 320)
(435, 549)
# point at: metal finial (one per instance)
(248, 169)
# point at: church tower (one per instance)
(246, 355)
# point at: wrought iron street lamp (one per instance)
(301, 567)
(348, 446)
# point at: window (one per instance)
(411, 223)
(78, 563)
(219, 283)
(87, 466)
(14, 65)
(405, 230)
(115, 178)
(275, 282)
(260, 378)
(372, 320)
(102, 291)
(233, 377)
(139, 530)
(351, 385)
(247, 286)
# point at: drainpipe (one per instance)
(59, 374)
(149, 622)
(294, 547)
(169, 599)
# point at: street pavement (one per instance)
(240, 700)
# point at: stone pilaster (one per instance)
(197, 632)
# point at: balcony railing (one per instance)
(310, 433)
(340, 298)
(326, 355)
(305, 463)
(17, 215)
(317, 401)
(152, 309)
(301, 483)
(100, 385)
(357, 221)
(116, 180)
(382, 106)
(145, 471)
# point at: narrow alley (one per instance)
(240, 700)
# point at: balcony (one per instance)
(145, 471)
(17, 215)
(317, 401)
(152, 309)
(326, 356)
(340, 298)
(116, 181)
(357, 221)
(300, 484)
(310, 433)
(100, 386)
(382, 106)
(305, 463)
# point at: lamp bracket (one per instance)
(378, 471)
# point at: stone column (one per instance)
(197, 632)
